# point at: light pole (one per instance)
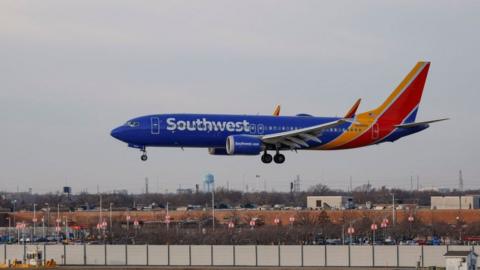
(373, 227)
(34, 220)
(291, 220)
(48, 216)
(459, 226)
(213, 206)
(57, 228)
(100, 211)
(167, 219)
(384, 226)
(128, 224)
(43, 227)
(393, 209)
(410, 221)
(9, 228)
(66, 228)
(17, 226)
(14, 202)
(110, 228)
(350, 232)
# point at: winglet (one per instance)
(276, 112)
(353, 110)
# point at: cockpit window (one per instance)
(132, 124)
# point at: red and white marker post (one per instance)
(291, 220)
(252, 224)
(384, 226)
(350, 232)
(276, 221)
(411, 219)
(373, 227)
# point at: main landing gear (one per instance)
(278, 158)
(144, 156)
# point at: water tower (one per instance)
(208, 181)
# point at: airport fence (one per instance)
(238, 255)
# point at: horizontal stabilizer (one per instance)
(410, 125)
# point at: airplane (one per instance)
(232, 135)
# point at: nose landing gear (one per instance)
(144, 156)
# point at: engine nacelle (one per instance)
(243, 145)
(217, 151)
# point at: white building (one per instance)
(455, 202)
(460, 260)
(329, 202)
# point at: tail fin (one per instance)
(402, 104)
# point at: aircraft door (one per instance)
(155, 122)
(375, 131)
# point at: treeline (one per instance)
(223, 198)
(309, 228)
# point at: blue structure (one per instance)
(208, 181)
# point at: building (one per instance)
(460, 260)
(330, 202)
(455, 202)
(184, 191)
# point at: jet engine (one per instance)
(243, 145)
(217, 151)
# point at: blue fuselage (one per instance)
(210, 130)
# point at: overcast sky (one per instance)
(70, 71)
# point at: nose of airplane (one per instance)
(116, 133)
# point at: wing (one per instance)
(297, 138)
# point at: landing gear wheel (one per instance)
(267, 158)
(279, 158)
(144, 157)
